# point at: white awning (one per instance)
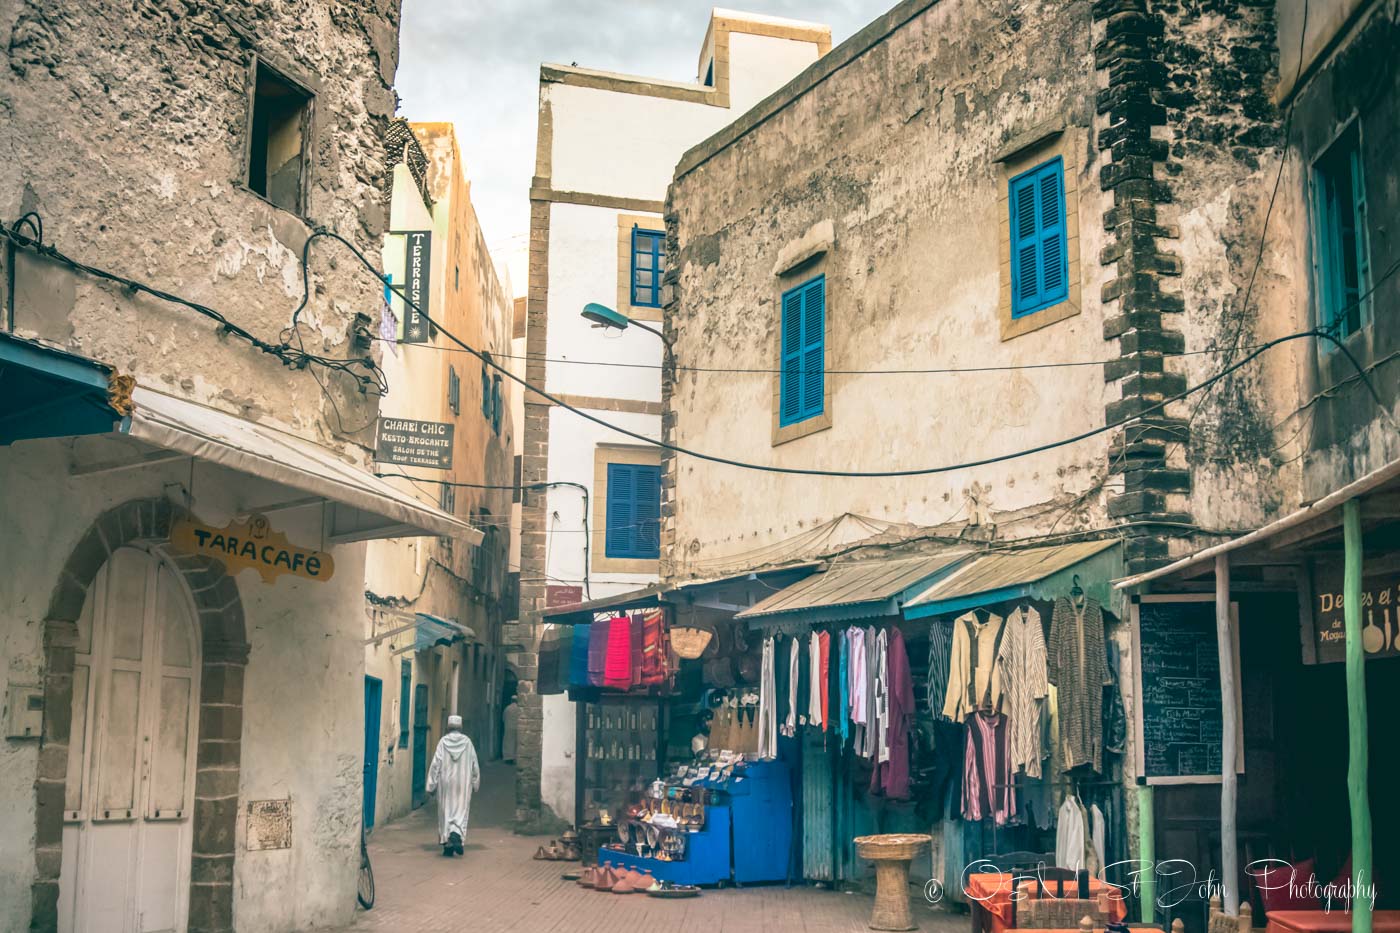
(360, 506)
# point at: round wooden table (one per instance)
(891, 854)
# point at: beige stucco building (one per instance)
(418, 671)
(606, 145)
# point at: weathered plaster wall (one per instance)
(301, 718)
(128, 129)
(1348, 434)
(897, 150)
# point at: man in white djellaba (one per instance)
(453, 776)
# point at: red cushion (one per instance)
(1287, 887)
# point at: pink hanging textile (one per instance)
(987, 790)
(617, 671)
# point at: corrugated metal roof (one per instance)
(853, 583)
(1001, 569)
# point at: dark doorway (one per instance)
(420, 744)
(374, 699)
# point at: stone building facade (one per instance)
(885, 169)
(187, 744)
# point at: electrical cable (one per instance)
(867, 474)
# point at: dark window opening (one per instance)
(710, 74)
(277, 139)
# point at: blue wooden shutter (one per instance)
(646, 511)
(801, 390)
(496, 404)
(1039, 239)
(648, 252)
(621, 524)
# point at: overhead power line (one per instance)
(489, 361)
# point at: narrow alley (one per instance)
(497, 886)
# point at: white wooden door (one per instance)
(130, 787)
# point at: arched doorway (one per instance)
(129, 792)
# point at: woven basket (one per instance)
(689, 643)
(891, 846)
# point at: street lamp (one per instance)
(603, 316)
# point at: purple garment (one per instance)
(987, 790)
(598, 652)
(891, 778)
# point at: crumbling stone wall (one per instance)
(126, 128)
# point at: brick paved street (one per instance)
(498, 887)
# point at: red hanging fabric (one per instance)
(617, 672)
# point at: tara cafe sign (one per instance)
(252, 544)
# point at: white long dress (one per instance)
(454, 775)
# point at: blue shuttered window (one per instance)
(1039, 242)
(485, 391)
(801, 387)
(633, 511)
(405, 698)
(1341, 253)
(496, 404)
(648, 261)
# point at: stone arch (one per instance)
(224, 655)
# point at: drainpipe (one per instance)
(1230, 724)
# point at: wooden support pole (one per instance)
(1147, 855)
(1357, 727)
(1229, 735)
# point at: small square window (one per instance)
(1341, 249)
(278, 128)
(454, 391)
(648, 262)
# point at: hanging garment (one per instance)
(987, 786)
(1115, 719)
(870, 741)
(1069, 835)
(882, 697)
(578, 655)
(1096, 834)
(857, 672)
(804, 680)
(940, 646)
(618, 671)
(782, 676)
(1078, 667)
(638, 632)
(843, 686)
(824, 662)
(598, 640)
(794, 650)
(891, 776)
(656, 649)
(974, 677)
(767, 705)
(814, 680)
(1024, 685)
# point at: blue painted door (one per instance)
(420, 744)
(374, 698)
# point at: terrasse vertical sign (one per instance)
(418, 264)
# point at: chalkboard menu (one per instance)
(1178, 671)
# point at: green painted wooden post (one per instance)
(1356, 716)
(1147, 855)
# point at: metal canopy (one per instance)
(434, 630)
(853, 590)
(360, 506)
(1003, 575)
(51, 393)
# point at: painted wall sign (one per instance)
(269, 825)
(418, 264)
(557, 594)
(414, 443)
(252, 545)
(1380, 613)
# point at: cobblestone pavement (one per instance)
(497, 887)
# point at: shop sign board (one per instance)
(252, 545)
(418, 264)
(409, 442)
(557, 595)
(1177, 676)
(1380, 613)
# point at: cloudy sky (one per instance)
(476, 63)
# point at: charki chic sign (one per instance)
(252, 545)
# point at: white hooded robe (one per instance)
(454, 775)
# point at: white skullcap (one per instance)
(454, 722)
